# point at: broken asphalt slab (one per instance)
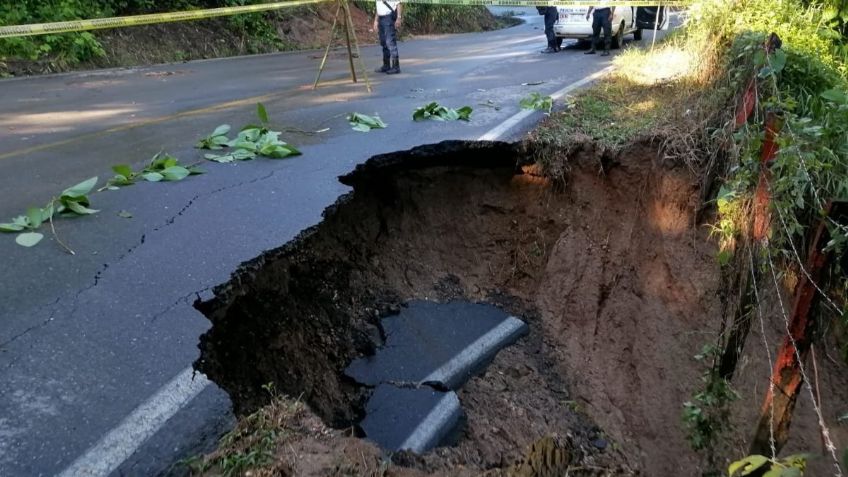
(415, 419)
(442, 344)
(430, 350)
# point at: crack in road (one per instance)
(33, 327)
(98, 275)
(181, 300)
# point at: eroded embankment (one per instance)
(610, 270)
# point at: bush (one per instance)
(73, 48)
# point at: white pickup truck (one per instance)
(573, 24)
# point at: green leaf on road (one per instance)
(237, 155)
(465, 113)
(261, 112)
(123, 169)
(175, 173)
(221, 130)
(125, 214)
(217, 140)
(35, 216)
(152, 176)
(81, 189)
(10, 228)
(29, 239)
(80, 209)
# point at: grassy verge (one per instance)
(661, 97)
(255, 442)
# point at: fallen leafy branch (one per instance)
(538, 102)
(73, 201)
(162, 167)
(365, 123)
(216, 140)
(167, 167)
(252, 141)
(437, 112)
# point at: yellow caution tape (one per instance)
(116, 22)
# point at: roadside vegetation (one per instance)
(303, 27)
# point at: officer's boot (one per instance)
(592, 50)
(395, 68)
(386, 65)
(606, 48)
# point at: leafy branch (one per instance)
(165, 167)
(73, 201)
(365, 123)
(538, 102)
(436, 112)
(216, 140)
(162, 167)
(252, 141)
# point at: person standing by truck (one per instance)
(387, 19)
(602, 19)
(551, 16)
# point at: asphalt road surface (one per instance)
(87, 339)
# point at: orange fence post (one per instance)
(786, 376)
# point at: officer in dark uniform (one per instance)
(551, 16)
(386, 20)
(601, 19)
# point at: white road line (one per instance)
(455, 371)
(121, 442)
(428, 430)
(513, 121)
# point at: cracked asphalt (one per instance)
(85, 339)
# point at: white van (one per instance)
(573, 24)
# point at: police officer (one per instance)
(551, 16)
(386, 20)
(601, 19)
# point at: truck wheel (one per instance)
(618, 39)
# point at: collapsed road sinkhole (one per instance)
(606, 265)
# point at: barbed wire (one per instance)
(767, 347)
(825, 430)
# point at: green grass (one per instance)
(253, 444)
